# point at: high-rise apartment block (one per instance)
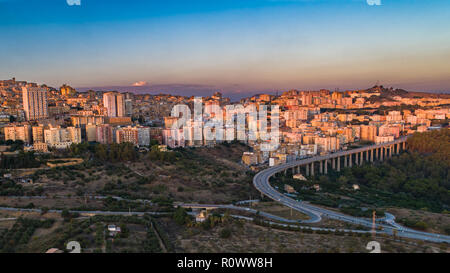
(35, 102)
(114, 103)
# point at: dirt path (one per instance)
(161, 243)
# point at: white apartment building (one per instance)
(22, 132)
(62, 138)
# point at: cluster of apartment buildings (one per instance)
(310, 122)
(104, 119)
(307, 130)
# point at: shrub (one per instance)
(225, 233)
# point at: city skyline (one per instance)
(191, 129)
(239, 47)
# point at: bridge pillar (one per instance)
(307, 169)
(298, 169)
(326, 166)
(367, 155)
(338, 164)
(371, 155)
(377, 154)
(390, 150)
(285, 171)
(321, 167)
(333, 163)
(361, 158)
(381, 153)
(345, 161)
(350, 157)
(312, 169)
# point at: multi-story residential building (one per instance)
(156, 134)
(38, 134)
(105, 134)
(62, 138)
(327, 144)
(384, 139)
(91, 133)
(307, 99)
(127, 134)
(18, 132)
(128, 107)
(114, 103)
(389, 130)
(74, 134)
(143, 136)
(35, 102)
(368, 133)
(40, 147)
(394, 116)
(173, 138)
(337, 95)
(80, 120)
(169, 122)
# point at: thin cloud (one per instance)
(140, 83)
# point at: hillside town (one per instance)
(310, 122)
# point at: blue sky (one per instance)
(236, 45)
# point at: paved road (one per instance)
(7, 219)
(97, 212)
(245, 202)
(249, 210)
(261, 182)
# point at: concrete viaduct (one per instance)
(349, 158)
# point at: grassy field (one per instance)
(247, 237)
(165, 235)
(137, 234)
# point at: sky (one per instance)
(237, 46)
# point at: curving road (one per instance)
(87, 213)
(249, 210)
(261, 183)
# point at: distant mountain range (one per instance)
(237, 92)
